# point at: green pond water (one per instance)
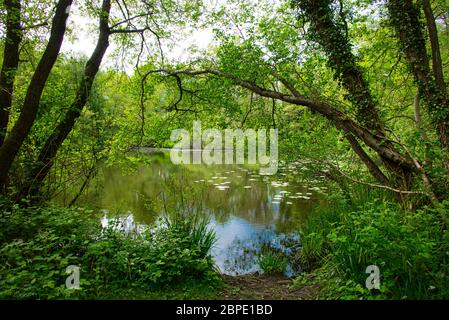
(249, 213)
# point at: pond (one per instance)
(249, 213)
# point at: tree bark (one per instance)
(21, 129)
(372, 167)
(48, 152)
(366, 159)
(437, 63)
(331, 36)
(404, 17)
(342, 61)
(11, 56)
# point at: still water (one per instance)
(249, 213)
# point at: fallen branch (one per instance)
(377, 185)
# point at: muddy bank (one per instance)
(265, 287)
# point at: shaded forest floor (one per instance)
(265, 287)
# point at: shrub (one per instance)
(36, 247)
(37, 244)
(273, 263)
(168, 257)
(410, 248)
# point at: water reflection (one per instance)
(247, 211)
(238, 249)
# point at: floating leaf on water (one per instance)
(279, 184)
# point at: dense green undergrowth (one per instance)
(38, 244)
(273, 262)
(339, 242)
(411, 250)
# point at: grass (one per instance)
(38, 243)
(273, 262)
(339, 242)
(410, 248)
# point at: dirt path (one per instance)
(264, 287)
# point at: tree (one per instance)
(405, 19)
(11, 57)
(48, 152)
(137, 21)
(367, 131)
(15, 139)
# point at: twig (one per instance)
(377, 185)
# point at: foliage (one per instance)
(39, 243)
(410, 248)
(273, 263)
(349, 54)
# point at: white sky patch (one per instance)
(182, 51)
(184, 45)
(84, 41)
(182, 48)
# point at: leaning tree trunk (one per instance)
(331, 113)
(404, 18)
(48, 152)
(22, 127)
(437, 63)
(10, 62)
(339, 119)
(334, 40)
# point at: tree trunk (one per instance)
(342, 61)
(404, 17)
(437, 63)
(10, 62)
(366, 159)
(49, 150)
(335, 116)
(337, 46)
(21, 129)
